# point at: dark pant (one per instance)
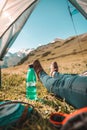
(73, 88)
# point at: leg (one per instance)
(79, 92)
(72, 88)
(49, 82)
(76, 92)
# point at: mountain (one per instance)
(70, 54)
(12, 59)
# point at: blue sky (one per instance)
(49, 20)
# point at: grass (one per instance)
(71, 57)
(14, 88)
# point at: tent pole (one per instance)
(0, 75)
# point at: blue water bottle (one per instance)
(31, 90)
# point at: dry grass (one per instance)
(14, 88)
(71, 57)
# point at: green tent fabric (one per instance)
(81, 6)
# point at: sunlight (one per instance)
(7, 14)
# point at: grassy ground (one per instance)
(71, 57)
(14, 88)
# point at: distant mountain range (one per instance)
(12, 59)
(69, 52)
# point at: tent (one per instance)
(81, 6)
(13, 16)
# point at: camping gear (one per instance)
(14, 113)
(74, 121)
(81, 6)
(57, 119)
(13, 16)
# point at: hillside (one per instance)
(70, 54)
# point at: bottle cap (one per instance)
(31, 66)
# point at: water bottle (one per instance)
(31, 90)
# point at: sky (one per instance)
(49, 20)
